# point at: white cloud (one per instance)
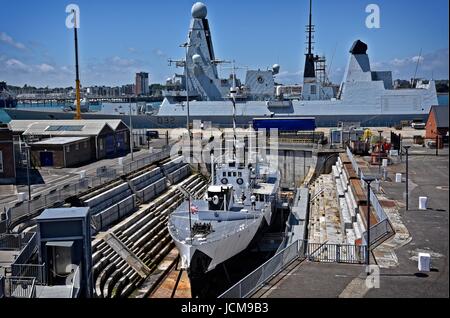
(15, 64)
(5, 38)
(159, 53)
(45, 68)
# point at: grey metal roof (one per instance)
(60, 140)
(441, 115)
(63, 213)
(86, 127)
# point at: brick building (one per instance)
(437, 124)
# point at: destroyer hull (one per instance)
(179, 121)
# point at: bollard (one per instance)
(21, 196)
(398, 178)
(385, 163)
(120, 161)
(423, 203)
(82, 174)
(424, 262)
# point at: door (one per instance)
(110, 145)
(46, 158)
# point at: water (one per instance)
(105, 108)
(443, 99)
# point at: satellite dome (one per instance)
(196, 59)
(199, 10)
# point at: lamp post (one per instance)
(131, 136)
(379, 152)
(27, 149)
(368, 180)
(407, 176)
(186, 47)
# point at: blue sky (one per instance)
(118, 37)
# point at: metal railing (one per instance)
(20, 287)
(353, 161)
(379, 231)
(138, 164)
(30, 270)
(58, 195)
(384, 226)
(15, 241)
(75, 283)
(28, 250)
(336, 253)
(249, 284)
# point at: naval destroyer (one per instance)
(365, 96)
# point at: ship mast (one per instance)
(233, 92)
(310, 72)
(77, 79)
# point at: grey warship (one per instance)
(365, 95)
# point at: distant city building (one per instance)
(142, 87)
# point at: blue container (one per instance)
(285, 123)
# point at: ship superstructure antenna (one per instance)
(77, 79)
(233, 92)
(309, 72)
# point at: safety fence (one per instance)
(336, 253)
(19, 287)
(249, 284)
(36, 271)
(384, 226)
(57, 196)
(298, 250)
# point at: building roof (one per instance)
(63, 213)
(441, 115)
(86, 127)
(60, 140)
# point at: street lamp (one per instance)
(368, 180)
(186, 67)
(131, 135)
(379, 153)
(27, 149)
(407, 176)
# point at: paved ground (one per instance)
(315, 280)
(428, 231)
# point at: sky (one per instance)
(118, 38)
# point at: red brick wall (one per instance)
(431, 130)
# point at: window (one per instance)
(65, 128)
(68, 149)
(85, 144)
(313, 89)
(101, 144)
(1, 162)
(234, 174)
(229, 173)
(77, 146)
(224, 174)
